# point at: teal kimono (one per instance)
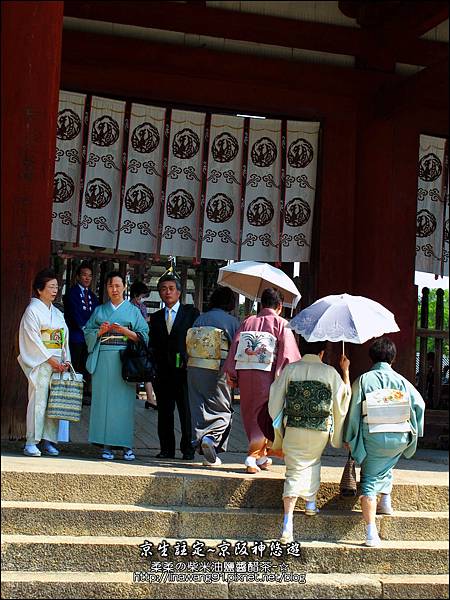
(113, 399)
(378, 453)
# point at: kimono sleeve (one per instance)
(341, 400)
(278, 391)
(91, 328)
(230, 363)
(287, 350)
(352, 427)
(140, 325)
(32, 350)
(418, 408)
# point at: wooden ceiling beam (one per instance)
(427, 87)
(192, 18)
(98, 50)
(412, 19)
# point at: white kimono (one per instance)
(302, 448)
(33, 357)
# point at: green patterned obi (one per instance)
(309, 405)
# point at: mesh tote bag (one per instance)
(348, 485)
(66, 396)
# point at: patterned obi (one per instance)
(309, 405)
(256, 350)
(387, 410)
(206, 347)
(109, 339)
(53, 339)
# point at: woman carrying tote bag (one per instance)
(43, 337)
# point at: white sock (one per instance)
(371, 530)
(311, 504)
(288, 523)
(385, 501)
(250, 461)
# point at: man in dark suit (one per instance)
(79, 304)
(168, 328)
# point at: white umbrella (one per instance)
(345, 318)
(251, 278)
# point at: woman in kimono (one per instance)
(384, 421)
(261, 348)
(44, 350)
(107, 331)
(313, 401)
(210, 396)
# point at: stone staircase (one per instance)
(81, 529)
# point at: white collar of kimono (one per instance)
(174, 310)
(116, 307)
(38, 303)
(314, 358)
(82, 287)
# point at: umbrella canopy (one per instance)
(251, 278)
(345, 318)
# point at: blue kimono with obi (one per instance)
(378, 453)
(113, 399)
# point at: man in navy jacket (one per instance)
(79, 304)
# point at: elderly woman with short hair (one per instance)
(384, 421)
(44, 350)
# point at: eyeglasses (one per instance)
(52, 287)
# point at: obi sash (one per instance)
(256, 350)
(109, 339)
(53, 339)
(387, 410)
(206, 347)
(309, 405)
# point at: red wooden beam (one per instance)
(278, 31)
(105, 51)
(413, 19)
(429, 86)
(159, 73)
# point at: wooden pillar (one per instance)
(331, 268)
(385, 230)
(438, 346)
(31, 58)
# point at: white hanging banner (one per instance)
(142, 198)
(262, 200)
(66, 187)
(102, 181)
(223, 188)
(432, 251)
(182, 200)
(300, 189)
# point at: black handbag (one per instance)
(137, 362)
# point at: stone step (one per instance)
(63, 518)
(23, 584)
(172, 483)
(105, 553)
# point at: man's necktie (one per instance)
(86, 298)
(169, 321)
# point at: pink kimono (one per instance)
(254, 384)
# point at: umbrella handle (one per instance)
(343, 349)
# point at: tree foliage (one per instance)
(432, 300)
